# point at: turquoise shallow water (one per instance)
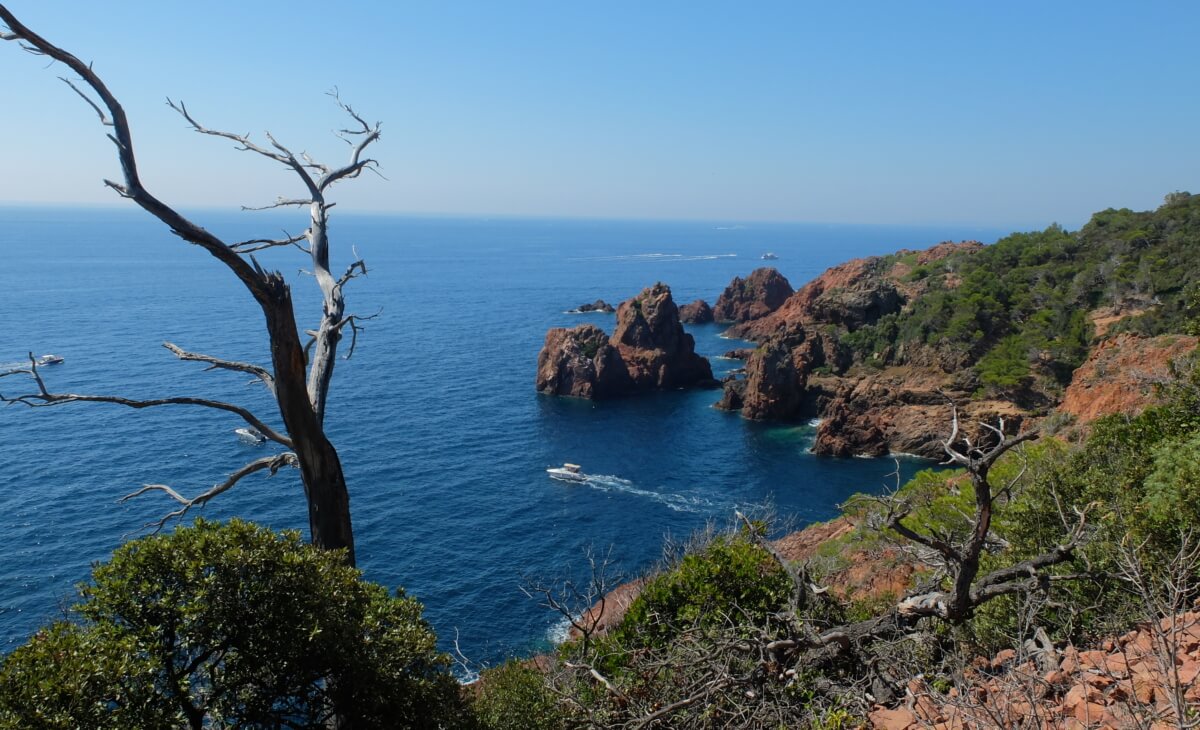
(443, 438)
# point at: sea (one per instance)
(444, 440)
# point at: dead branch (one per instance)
(44, 398)
(216, 363)
(272, 463)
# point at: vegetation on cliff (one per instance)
(1018, 310)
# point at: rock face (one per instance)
(1120, 373)
(648, 351)
(756, 296)
(698, 312)
(801, 369)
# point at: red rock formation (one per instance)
(1141, 679)
(1120, 374)
(648, 350)
(580, 362)
(698, 312)
(759, 294)
(774, 384)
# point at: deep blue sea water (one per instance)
(443, 438)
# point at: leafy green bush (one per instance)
(514, 696)
(732, 578)
(230, 625)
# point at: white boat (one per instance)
(49, 360)
(250, 435)
(768, 256)
(567, 473)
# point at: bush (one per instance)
(230, 625)
(731, 577)
(514, 696)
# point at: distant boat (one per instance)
(567, 473)
(768, 256)
(49, 360)
(250, 435)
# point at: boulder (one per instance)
(754, 297)
(698, 312)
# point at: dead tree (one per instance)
(301, 370)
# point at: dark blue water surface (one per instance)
(443, 439)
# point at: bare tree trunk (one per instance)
(320, 468)
(300, 383)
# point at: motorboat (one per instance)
(768, 256)
(250, 435)
(49, 360)
(567, 473)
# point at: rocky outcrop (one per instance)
(1143, 678)
(597, 306)
(581, 362)
(901, 410)
(741, 353)
(648, 350)
(698, 312)
(774, 384)
(802, 369)
(1120, 375)
(756, 296)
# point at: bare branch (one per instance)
(273, 463)
(99, 112)
(258, 244)
(216, 363)
(44, 398)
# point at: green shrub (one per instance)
(230, 625)
(514, 696)
(732, 578)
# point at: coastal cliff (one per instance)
(648, 350)
(1081, 324)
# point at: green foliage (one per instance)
(1005, 366)
(731, 577)
(514, 696)
(1172, 494)
(232, 626)
(1028, 294)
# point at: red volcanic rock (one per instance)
(698, 312)
(774, 385)
(946, 248)
(648, 350)
(651, 340)
(1120, 374)
(580, 362)
(759, 294)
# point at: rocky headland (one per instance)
(648, 350)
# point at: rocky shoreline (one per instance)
(801, 368)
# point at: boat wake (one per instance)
(658, 257)
(676, 502)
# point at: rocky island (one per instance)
(597, 306)
(648, 350)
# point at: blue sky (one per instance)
(1013, 114)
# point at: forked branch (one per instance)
(272, 463)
